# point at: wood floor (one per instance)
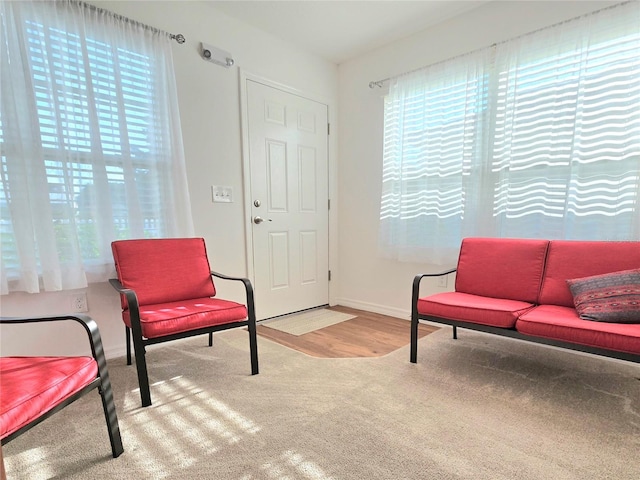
(366, 335)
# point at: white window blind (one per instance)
(550, 147)
(90, 143)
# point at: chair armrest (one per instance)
(415, 292)
(88, 323)
(248, 290)
(129, 295)
(228, 277)
(132, 303)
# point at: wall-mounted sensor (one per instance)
(216, 55)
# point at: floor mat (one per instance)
(305, 322)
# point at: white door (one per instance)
(288, 159)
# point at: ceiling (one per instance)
(340, 30)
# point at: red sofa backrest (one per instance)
(501, 267)
(568, 259)
(164, 270)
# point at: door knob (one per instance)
(257, 220)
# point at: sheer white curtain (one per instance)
(432, 161)
(90, 141)
(566, 138)
(538, 137)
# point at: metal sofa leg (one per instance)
(455, 332)
(211, 339)
(413, 354)
(415, 292)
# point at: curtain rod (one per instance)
(380, 83)
(177, 37)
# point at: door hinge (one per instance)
(329, 275)
(329, 204)
(328, 129)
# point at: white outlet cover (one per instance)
(79, 303)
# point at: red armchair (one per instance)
(34, 388)
(167, 293)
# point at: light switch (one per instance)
(221, 194)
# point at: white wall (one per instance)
(209, 98)
(366, 280)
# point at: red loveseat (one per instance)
(580, 295)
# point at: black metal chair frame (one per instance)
(139, 342)
(504, 332)
(102, 382)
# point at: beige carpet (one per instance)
(479, 407)
(305, 322)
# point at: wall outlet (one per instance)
(79, 303)
(442, 281)
(221, 194)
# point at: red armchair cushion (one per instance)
(576, 259)
(496, 312)
(176, 317)
(163, 270)
(501, 268)
(31, 386)
(563, 323)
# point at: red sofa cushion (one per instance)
(175, 317)
(501, 268)
(31, 386)
(569, 259)
(496, 312)
(162, 270)
(563, 323)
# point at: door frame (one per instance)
(243, 77)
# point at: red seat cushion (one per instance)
(505, 268)
(163, 270)
(497, 312)
(175, 317)
(31, 386)
(563, 323)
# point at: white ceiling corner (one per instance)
(340, 30)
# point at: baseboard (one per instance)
(121, 350)
(375, 308)
(113, 353)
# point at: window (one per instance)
(88, 142)
(538, 137)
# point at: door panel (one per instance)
(279, 259)
(288, 159)
(276, 176)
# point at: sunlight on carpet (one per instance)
(305, 322)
